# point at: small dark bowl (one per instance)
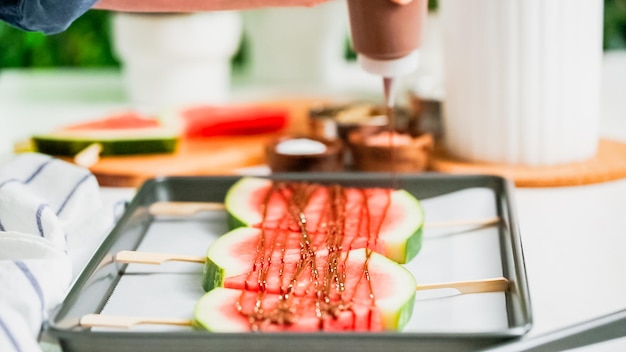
(337, 122)
(331, 160)
(411, 157)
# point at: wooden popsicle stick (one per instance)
(165, 208)
(126, 322)
(89, 156)
(499, 284)
(473, 286)
(118, 321)
(136, 257)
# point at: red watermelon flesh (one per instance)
(206, 121)
(378, 218)
(284, 239)
(364, 215)
(279, 256)
(365, 211)
(358, 280)
(223, 304)
(121, 121)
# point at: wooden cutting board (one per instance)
(222, 155)
(194, 157)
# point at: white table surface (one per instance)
(574, 238)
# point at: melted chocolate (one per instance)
(328, 288)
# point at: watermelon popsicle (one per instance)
(311, 258)
(356, 290)
(388, 221)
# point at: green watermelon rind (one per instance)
(239, 210)
(70, 146)
(217, 260)
(213, 275)
(208, 306)
(396, 318)
(401, 248)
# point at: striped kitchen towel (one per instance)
(51, 220)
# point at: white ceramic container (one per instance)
(175, 59)
(522, 79)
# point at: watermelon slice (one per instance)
(364, 292)
(120, 134)
(232, 256)
(238, 120)
(387, 221)
(217, 311)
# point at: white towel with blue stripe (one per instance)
(51, 220)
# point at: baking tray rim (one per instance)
(61, 330)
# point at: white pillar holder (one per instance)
(522, 80)
(176, 59)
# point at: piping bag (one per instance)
(386, 35)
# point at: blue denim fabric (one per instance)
(47, 16)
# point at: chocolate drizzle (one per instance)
(317, 267)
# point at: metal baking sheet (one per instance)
(441, 320)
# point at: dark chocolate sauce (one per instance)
(326, 284)
(389, 89)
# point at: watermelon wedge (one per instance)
(217, 311)
(387, 221)
(232, 256)
(120, 134)
(363, 291)
(203, 121)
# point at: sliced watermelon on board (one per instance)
(121, 121)
(236, 120)
(376, 294)
(119, 134)
(389, 221)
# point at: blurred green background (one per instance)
(87, 42)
